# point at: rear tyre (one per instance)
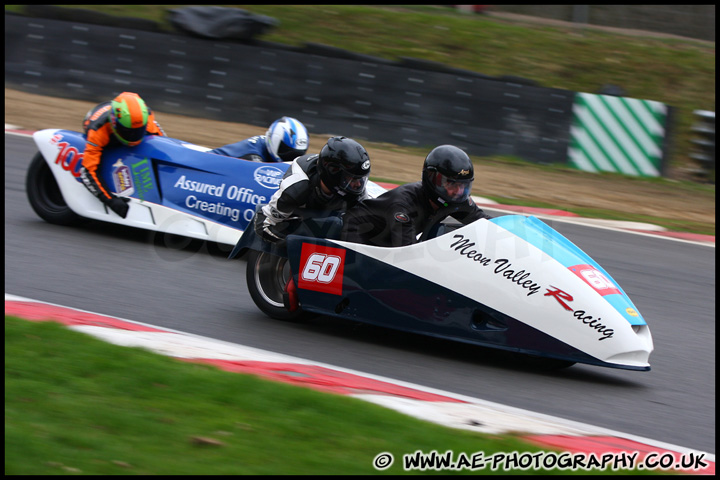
(266, 277)
(45, 196)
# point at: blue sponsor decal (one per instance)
(268, 176)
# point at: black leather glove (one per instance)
(119, 205)
(269, 233)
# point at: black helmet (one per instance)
(344, 166)
(447, 175)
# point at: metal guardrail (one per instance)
(704, 143)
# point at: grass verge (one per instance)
(75, 404)
(670, 224)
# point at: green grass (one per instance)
(671, 224)
(75, 404)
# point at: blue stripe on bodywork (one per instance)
(545, 238)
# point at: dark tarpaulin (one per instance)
(220, 22)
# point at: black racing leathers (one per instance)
(398, 217)
(299, 190)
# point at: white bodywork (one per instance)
(513, 276)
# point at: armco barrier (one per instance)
(409, 103)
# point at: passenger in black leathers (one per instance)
(400, 216)
(323, 184)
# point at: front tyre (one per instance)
(45, 196)
(267, 275)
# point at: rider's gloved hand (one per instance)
(267, 232)
(271, 234)
(119, 205)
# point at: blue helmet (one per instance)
(287, 139)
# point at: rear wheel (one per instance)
(267, 275)
(45, 196)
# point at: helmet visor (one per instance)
(287, 154)
(353, 184)
(129, 136)
(454, 191)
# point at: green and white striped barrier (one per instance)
(617, 134)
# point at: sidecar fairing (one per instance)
(175, 187)
(511, 282)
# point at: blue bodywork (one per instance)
(568, 254)
(173, 173)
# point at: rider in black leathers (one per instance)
(324, 184)
(400, 216)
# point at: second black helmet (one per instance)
(344, 166)
(448, 175)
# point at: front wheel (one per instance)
(267, 275)
(45, 196)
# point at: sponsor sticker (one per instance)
(268, 176)
(122, 177)
(594, 278)
(321, 268)
(402, 217)
(142, 177)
